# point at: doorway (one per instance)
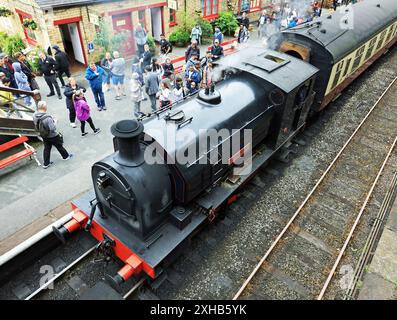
(123, 24)
(157, 22)
(71, 38)
(72, 43)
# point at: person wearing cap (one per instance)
(193, 49)
(217, 50)
(63, 64)
(7, 70)
(48, 67)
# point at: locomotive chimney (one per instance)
(126, 141)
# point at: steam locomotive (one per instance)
(146, 204)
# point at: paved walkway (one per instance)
(380, 281)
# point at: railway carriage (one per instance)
(342, 45)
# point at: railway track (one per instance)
(325, 222)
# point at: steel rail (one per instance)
(52, 280)
(365, 255)
(298, 211)
(358, 218)
(134, 288)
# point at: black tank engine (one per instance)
(168, 176)
(163, 183)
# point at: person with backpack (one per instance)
(83, 113)
(46, 125)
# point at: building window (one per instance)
(172, 18)
(210, 8)
(29, 33)
(255, 5)
(142, 18)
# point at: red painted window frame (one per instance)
(74, 20)
(173, 14)
(212, 15)
(257, 8)
(23, 15)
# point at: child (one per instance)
(6, 98)
(83, 113)
(164, 95)
(168, 69)
(22, 82)
(179, 91)
(136, 94)
(193, 89)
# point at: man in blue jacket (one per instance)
(95, 75)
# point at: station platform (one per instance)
(380, 279)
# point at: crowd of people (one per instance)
(153, 78)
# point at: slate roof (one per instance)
(46, 4)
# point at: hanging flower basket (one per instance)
(5, 12)
(30, 24)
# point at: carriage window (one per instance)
(357, 59)
(347, 67)
(389, 33)
(370, 48)
(338, 73)
(381, 38)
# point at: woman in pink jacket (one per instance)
(83, 112)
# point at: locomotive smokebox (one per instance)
(126, 143)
